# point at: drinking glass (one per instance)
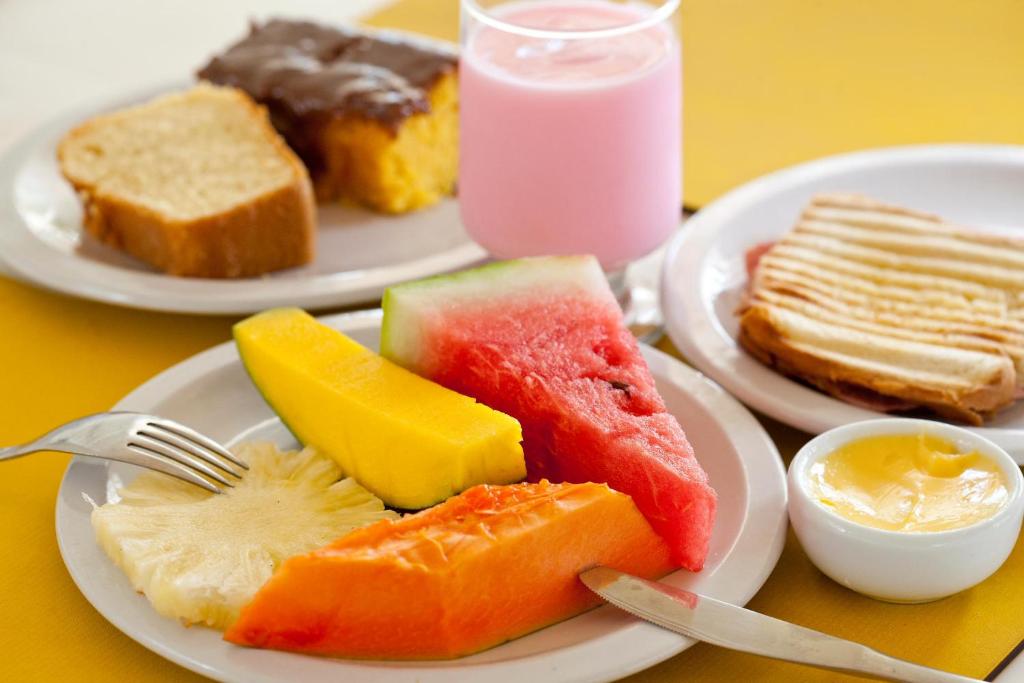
(570, 138)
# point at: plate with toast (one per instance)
(885, 281)
(305, 164)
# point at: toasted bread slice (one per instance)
(892, 309)
(195, 183)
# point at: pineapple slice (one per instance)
(200, 557)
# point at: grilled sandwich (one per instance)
(891, 309)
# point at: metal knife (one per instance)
(725, 625)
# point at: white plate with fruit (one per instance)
(581, 364)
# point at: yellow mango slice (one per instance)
(410, 441)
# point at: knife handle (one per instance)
(719, 623)
(890, 668)
(802, 645)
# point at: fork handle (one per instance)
(39, 445)
(16, 452)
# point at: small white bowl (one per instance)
(899, 566)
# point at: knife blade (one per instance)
(737, 628)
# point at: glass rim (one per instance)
(659, 15)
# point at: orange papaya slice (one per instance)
(486, 566)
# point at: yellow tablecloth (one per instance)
(768, 83)
(61, 358)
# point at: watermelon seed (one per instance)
(621, 386)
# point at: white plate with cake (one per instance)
(885, 281)
(193, 199)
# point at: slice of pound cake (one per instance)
(196, 183)
(373, 116)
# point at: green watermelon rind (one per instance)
(406, 304)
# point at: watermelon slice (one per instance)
(542, 340)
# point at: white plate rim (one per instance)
(759, 543)
(696, 331)
(37, 262)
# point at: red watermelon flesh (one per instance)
(553, 353)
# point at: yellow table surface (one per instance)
(768, 84)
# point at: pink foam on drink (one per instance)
(570, 146)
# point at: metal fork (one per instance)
(144, 440)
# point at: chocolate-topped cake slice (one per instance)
(373, 116)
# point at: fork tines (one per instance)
(176, 442)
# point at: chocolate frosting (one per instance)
(307, 73)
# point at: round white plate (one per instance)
(212, 393)
(704, 271)
(359, 253)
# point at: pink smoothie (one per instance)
(570, 146)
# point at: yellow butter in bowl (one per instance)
(905, 510)
(909, 482)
